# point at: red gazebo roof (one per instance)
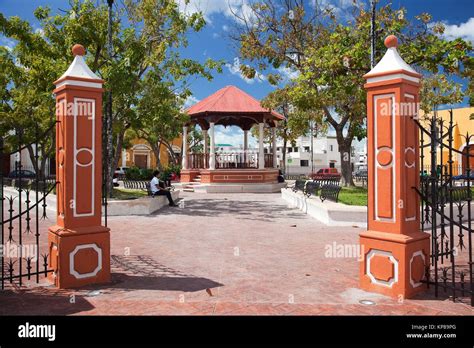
(231, 106)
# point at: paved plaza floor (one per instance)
(231, 254)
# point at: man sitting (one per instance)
(157, 190)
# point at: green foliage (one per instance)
(146, 73)
(332, 57)
(135, 173)
(166, 172)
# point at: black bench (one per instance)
(331, 192)
(136, 184)
(312, 188)
(458, 194)
(299, 186)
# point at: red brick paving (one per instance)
(235, 255)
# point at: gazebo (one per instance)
(231, 106)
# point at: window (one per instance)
(331, 165)
(331, 148)
(290, 149)
(304, 163)
(306, 149)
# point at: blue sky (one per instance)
(213, 40)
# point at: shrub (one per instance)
(146, 174)
(133, 173)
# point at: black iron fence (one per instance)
(446, 181)
(24, 250)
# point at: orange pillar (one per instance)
(395, 250)
(79, 246)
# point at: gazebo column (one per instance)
(184, 163)
(261, 153)
(206, 145)
(212, 154)
(246, 144)
(274, 144)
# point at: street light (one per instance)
(108, 119)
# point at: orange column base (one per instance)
(79, 257)
(394, 264)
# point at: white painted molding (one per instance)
(391, 281)
(416, 253)
(73, 253)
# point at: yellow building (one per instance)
(141, 155)
(463, 119)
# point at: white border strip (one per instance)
(392, 151)
(76, 164)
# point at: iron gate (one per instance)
(24, 188)
(446, 194)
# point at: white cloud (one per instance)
(233, 135)
(211, 7)
(215, 35)
(463, 30)
(7, 43)
(288, 74)
(234, 69)
(225, 27)
(191, 100)
(341, 8)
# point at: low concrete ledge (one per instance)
(329, 213)
(240, 188)
(139, 206)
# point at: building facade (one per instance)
(141, 155)
(298, 155)
(463, 121)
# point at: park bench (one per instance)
(312, 188)
(299, 186)
(136, 184)
(331, 192)
(459, 193)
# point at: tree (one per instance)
(297, 122)
(147, 35)
(331, 58)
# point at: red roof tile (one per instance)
(230, 99)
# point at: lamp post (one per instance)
(373, 4)
(109, 153)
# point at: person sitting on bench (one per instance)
(157, 190)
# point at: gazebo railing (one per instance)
(198, 160)
(268, 160)
(238, 160)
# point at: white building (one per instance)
(298, 157)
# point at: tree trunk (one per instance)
(114, 159)
(171, 152)
(156, 150)
(345, 145)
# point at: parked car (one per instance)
(463, 177)
(25, 173)
(362, 174)
(115, 180)
(121, 170)
(325, 173)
